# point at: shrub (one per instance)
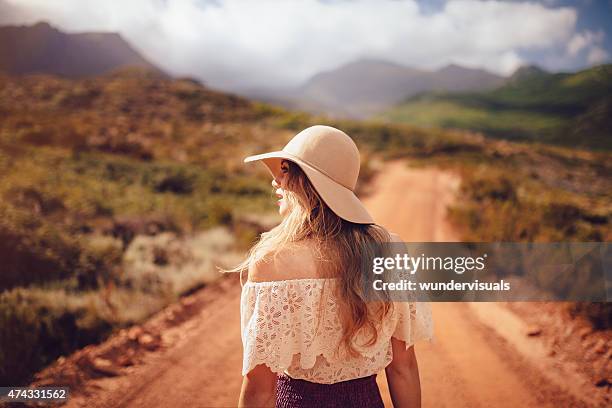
(561, 215)
(219, 212)
(39, 326)
(178, 182)
(173, 178)
(494, 187)
(33, 250)
(98, 256)
(81, 97)
(50, 134)
(35, 200)
(131, 148)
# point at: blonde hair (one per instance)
(342, 248)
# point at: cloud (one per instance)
(239, 43)
(597, 55)
(589, 43)
(583, 40)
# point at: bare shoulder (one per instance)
(291, 262)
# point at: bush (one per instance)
(98, 257)
(219, 212)
(38, 327)
(130, 148)
(179, 182)
(34, 199)
(562, 215)
(80, 97)
(34, 251)
(492, 187)
(173, 178)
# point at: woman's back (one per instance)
(291, 321)
(310, 335)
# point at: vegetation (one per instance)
(564, 109)
(115, 188)
(90, 169)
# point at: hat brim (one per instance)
(341, 200)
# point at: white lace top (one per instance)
(284, 327)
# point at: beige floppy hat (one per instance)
(330, 159)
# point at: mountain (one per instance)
(527, 72)
(368, 86)
(41, 48)
(358, 87)
(457, 78)
(561, 108)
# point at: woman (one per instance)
(310, 336)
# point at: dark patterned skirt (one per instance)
(358, 393)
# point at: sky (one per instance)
(243, 44)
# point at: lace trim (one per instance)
(294, 326)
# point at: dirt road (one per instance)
(462, 367)
(466, 366)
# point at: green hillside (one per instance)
(566, 109)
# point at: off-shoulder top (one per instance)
(294, 327)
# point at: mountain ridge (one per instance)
(42, 48)
(560, 108)
(367, 86)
